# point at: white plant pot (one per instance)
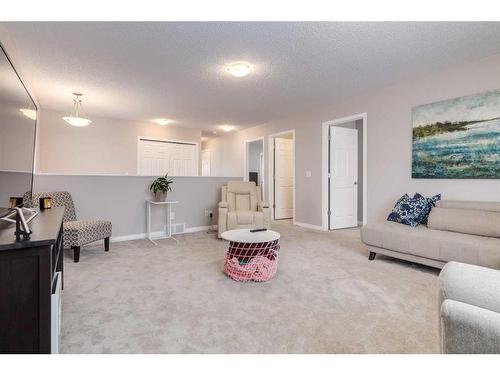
(160, 196)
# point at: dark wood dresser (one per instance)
(30, 277)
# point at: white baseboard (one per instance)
(140, 236)
(199, 229)
(308, 226)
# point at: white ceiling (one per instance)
(141, 71)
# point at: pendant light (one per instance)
(75, 119)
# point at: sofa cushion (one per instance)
(470, 205)
(470, 284)
(481, 223)
(242, 189)
(431, 202)
(433, 244)
(242, 202)
(408, 211)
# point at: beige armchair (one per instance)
(242, 207)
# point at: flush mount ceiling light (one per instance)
(162, 121)
(227, 128)
(30, 113)
(239, 69)
(75, 119)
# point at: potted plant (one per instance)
(160, 187)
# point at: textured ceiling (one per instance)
(11, 88)
(143, 70)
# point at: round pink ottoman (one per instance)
(251, 256)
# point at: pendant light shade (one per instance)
(75, 119)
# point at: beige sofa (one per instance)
(469, 307)
(462, 231)
(242, 207)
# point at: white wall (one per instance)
(389, 135)
(226, 156)
(17, 137)
(107, 146)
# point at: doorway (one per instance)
(344, 172)
(254, 168)
(282, 175)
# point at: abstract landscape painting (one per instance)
(457, 138)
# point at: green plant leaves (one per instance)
(162, 184)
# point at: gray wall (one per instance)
(389, 136)
(121, 199)
(13, 184)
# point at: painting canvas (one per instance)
(457, 138)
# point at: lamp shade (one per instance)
(75, 119)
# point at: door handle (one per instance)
(355, 182)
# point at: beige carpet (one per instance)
(173, 298)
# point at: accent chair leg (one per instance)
(372, 255)
(76, 253)
(106, 244)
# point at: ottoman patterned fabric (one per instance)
(76, 232)
(81, 232)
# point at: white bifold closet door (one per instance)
(157, 158)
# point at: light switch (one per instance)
(308, 173)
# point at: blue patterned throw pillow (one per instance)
(431, 202)
(408, 211)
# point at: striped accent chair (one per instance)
(76, 232)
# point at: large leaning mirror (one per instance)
(18, 114)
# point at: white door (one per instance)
(343, 177)
(205, 163)
(147, 158)
(283, 178)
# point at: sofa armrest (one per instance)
(470, 284)
(469, 329)
(222, 222)
(266, 211)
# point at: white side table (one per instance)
(168, 213)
